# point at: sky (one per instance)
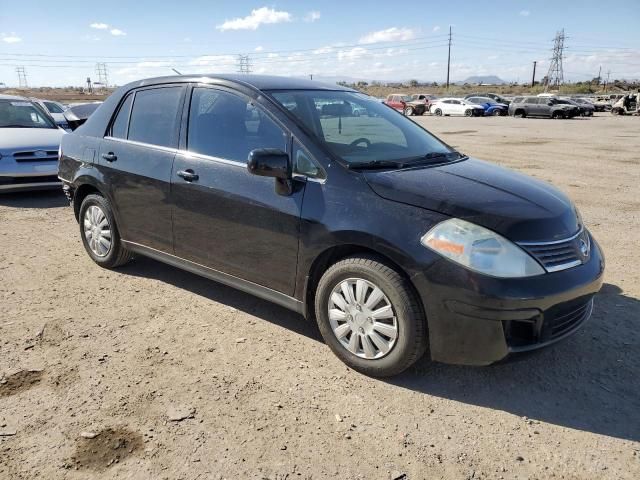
(59, 43)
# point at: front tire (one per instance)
(468, 112)
(438, 112)
(370, 317)
(99, 233)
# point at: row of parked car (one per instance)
(30, 134)
(491, 104)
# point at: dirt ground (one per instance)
(120, 356)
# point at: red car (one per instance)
(405, 104)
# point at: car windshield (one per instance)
(22, 114)
(53, 107)
(377, 134)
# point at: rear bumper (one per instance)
(478, 320)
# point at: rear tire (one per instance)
(362, 322)
(408, 111)
(99, 233)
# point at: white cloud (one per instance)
(322, 50)
(99, 26)
(259, 48)
(436, 28)
(524, 13)
(312, 16)
(272, 55)
(392, 34)
(259, 16)
(351, 53)
(117, 32)
(11, 38)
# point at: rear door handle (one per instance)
(188, 175)
(110, 157)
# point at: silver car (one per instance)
(29, 143)
(55, 109)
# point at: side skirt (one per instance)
(217, 276)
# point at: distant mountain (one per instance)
(484, 79)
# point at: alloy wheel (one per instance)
(362, 318)
(97, 231)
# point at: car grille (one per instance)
(562, 254)
(565, 320)
(549, 325)
(36, 156)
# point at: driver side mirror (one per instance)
(269, 162)
(272, 162)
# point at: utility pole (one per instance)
(244, 64)
(607, 82)
(533, 78)
(311, 76)
(599, 77)
(449, 58)
(22, 77)
(555, 76)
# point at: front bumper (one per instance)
(28, 174)
(474, 319)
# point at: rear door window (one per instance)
(155, 116)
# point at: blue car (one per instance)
(491, 107)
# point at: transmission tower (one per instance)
(103, 76)
(244, 64)
(22, 77)
(555, 76)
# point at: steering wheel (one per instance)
(360, 140)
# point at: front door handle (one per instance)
(110, 157)
(188, 175)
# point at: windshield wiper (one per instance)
(431, 156)
(375, 164)
(18, 126)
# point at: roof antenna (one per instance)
(176, 71)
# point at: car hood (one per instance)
(514, 205)
(12, 139)
(16, 139)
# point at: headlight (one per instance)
(480, 249)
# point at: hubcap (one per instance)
(362, 318)
(97, 231)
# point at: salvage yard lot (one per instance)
(181, 377)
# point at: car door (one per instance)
(224, 217)
(456, 107)
(136, 160)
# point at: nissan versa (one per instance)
(394, 242)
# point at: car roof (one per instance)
(12, 97)
(256, 82)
